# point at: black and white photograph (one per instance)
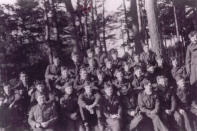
(98, 65)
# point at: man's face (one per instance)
(146, 48)
(130, 51)
(40, 87)
(97, 50)
(148, 87)
(119, 76)
(109, 91)
(88, 89)
(69, 90)
(75, 58)
(126, 67)
(56, 61)
(109, 65)
(64, 73)
(7, 89)
(193, 39)
(151, 69)
(41, 100)
(138, 73)
(114, 56)
(100, 77)
(163, 82)
(23, 77)
(160, 62)
(137, 59)
(90, 54)
(174, 63)
(83, 74)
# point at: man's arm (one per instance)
(188, 60)
(142, 106)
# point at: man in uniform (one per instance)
(168, 103)
(52, 73)
(43, 116)
(149, 104)
(111, 108)
(184, 101)
(71, 119)
(14, 108)
(89, 107)
(148, 57)
(138, 77)
(191, 59)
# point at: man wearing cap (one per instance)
(111, 108)
(90, 55)
(149, 105)
(71, 119)
(61, 80)
(191, 58)
(184, 100)
(76, 65)
(116, 62)
(129, 51)
(147, 57)
(52, 72)
(98, 55)
(89, 107)
(108, 69)
(137, 79)
(177, 69)
(130, 110)
(14, 108)
(168, 103)
(80, 80)
(92, 67)
(43, 116)
(122, 85)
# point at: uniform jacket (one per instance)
(148, 103)
(43, 113)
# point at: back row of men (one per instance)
(104, 93)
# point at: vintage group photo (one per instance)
(98, 65)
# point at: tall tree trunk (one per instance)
(93, 23)
(176, 22)
(135, 26)
(104, 40)
(126, 21)
(55, 20)
(70, 9)
(156, 42)
(47, 30)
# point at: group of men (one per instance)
(106, 93)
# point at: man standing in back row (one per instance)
(191, 59)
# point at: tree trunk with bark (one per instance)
(154, 33)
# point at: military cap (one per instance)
(193, 33)
(89, 51)
(145, 81)
(108, 84)
(137, 68)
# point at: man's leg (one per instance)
(187, 122)
(157, 123)
(114, 124)
(135, 122)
